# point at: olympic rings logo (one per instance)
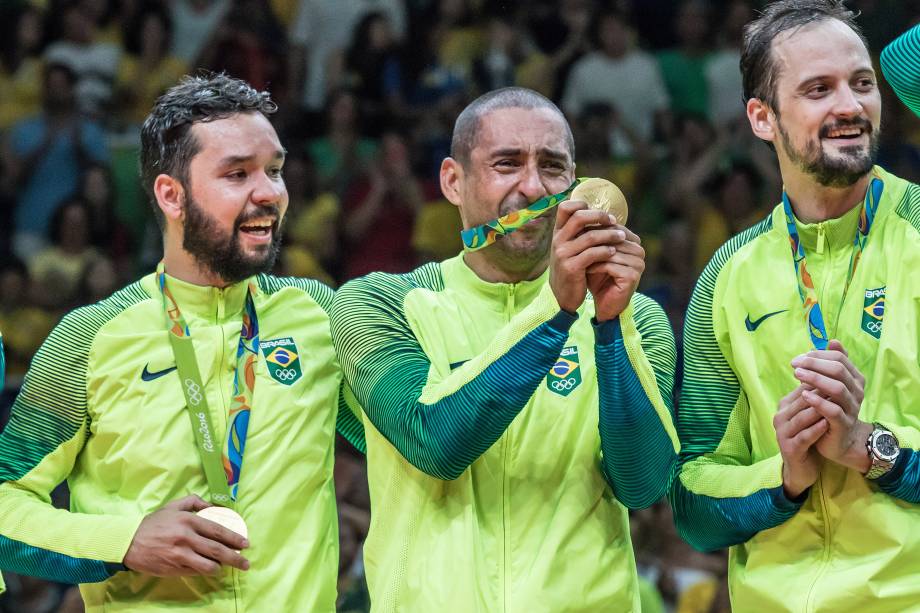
(874, 326)
(221, 497)
(564, 384)
(286, 374)
(193, 391)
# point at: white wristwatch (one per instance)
(883, 449)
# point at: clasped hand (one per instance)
(591, 251)
(820, 418)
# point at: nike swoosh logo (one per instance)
(753, 325)
(456, 365)
(150, 376)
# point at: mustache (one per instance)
(857, 122)
(273, 211)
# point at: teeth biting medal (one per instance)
(597, 193)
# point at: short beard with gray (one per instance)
(838, 172)
(223, 255)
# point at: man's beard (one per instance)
(839, 171)
(222, 255)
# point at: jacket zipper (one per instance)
(826, 554)
(819, 484)
(222, 387)
(506, 503)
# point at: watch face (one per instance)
(886, 445)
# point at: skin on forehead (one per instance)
(532, 131)
(240, 136)
(819, 49)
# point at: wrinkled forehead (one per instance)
(531, 130)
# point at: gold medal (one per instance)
(602, 195)
(228, 518)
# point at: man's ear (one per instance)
(762, 119)
(451, 178)
(170, 196)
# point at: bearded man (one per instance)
(799, 421)
(193, 386)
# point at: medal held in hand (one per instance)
(228, 518)
(597, 193)
(601, 194)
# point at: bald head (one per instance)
(466, 129)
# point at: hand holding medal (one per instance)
(612, 283)
(600, 253)
(177, 541)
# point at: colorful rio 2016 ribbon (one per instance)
(478, 237)
(814, 318)
(223, 477)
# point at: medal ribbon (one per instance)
(478, 237)
(813, 316)
(222, 464)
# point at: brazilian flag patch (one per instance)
(873, 311)
(565, 375)
(282, 359)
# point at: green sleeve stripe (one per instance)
(630, 425)
(903, 480)
(24, 559)
(909, 207)
(51, 407)
(47, 429)
(441, 434)
(658, 344)
(710, 389)
(319, 291)
(719, 498)
(901, 66)
(348, 421)
(715, 523)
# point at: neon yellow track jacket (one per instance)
(505, 440)
(102, 407)
(851, 545)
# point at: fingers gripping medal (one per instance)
(228, 518)
(601, 194)
(598, 193)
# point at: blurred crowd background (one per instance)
(368, 91)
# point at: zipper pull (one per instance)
(820, 247)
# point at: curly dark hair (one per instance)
(167, 141)
(759, 71)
